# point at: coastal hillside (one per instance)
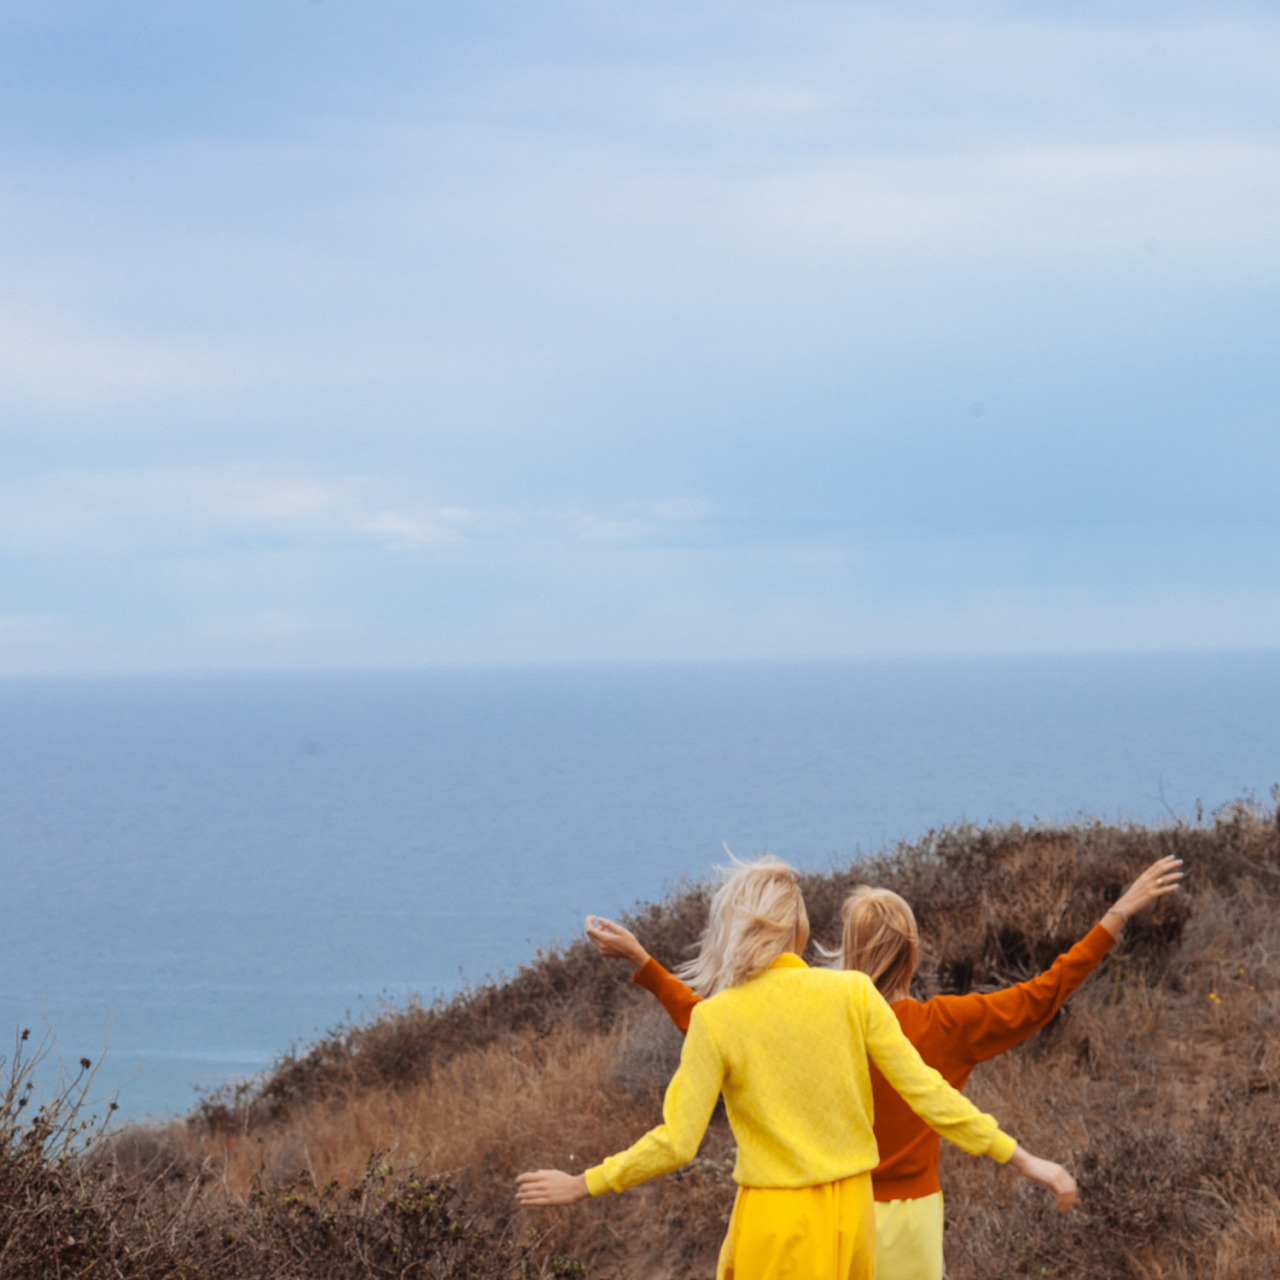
(390, 1148)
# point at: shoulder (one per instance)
(915, 1013)
(845, 979)
(845, 986)
(950, 1013)
(702, 1018)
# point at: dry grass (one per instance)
(389, 1149)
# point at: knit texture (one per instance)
(789, 1051)
(954, 1034)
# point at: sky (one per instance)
(367, 332)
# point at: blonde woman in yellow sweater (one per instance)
(788, 1047)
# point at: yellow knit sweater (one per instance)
(789, 1052)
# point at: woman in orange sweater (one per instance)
(952, 1033)
(789, 1048)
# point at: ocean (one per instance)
(201, 872)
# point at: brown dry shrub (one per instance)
(395, 1143)
(130, 1208)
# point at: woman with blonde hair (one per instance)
(790, 1048)
(952, 1033)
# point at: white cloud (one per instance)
(68, 363)
(521, 304)
(1205, 200)
(411, 532)
(670, 516)
(162, 509)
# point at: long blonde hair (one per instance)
(756, 914)
(880, 938)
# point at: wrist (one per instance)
(1114, 920)
(1030, 1166)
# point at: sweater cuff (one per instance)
(1001, 1149)
(1099, 940)
(597, 1185)
(649, 975)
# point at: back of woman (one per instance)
(951, 1033)
(787, 1047)
(789, 1051)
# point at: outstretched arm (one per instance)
(946, 1110)
(611, 939)
(686, 1111)
(923, 1088)
(984, 1025)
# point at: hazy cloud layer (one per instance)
(347, 333)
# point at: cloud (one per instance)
(181, 509)
(71, 364)
(169, 508)
(640, 329)
(405, 532)
(664, 518)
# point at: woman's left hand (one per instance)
(550, 1186)
(1158, 879)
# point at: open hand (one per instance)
(1158, 879)
(550, 1186)
(612, 939)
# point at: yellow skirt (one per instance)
(827, 1232)
(909, 1238)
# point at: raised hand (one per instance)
(611, 939)
(1158, 879)
(550, 1186)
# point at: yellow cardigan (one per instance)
(789, 1052)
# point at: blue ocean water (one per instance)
(215, 868)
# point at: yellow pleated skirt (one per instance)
(827, 1232)
(909, 1238)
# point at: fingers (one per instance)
(536, 1188)
(1053, 1176)
(1066, 1192)
(1160, 878)
(612, 940)
(1164, 871)
(550, 1186)
(604, 935)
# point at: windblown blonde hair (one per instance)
(756, 914)
(880, 938)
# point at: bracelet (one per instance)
(1115, 911)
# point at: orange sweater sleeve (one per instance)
(677, 999)
(985, 1025)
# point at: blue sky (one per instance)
(394, 331)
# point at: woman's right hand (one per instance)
(1053, 1176)
(611, 939)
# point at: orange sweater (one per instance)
(952, 1033)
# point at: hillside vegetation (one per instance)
(390, 1148)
